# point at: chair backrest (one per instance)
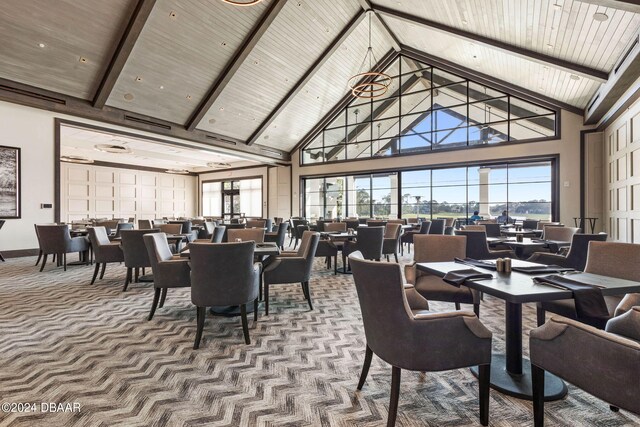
(448, 222)
(412, 220)
(437, 226)
(425, 226)
(376, 223)
(53, 238)
(487, 221)
(282, 233)
(352, 223)
(335, 226)
(98, 237)
(198, 221)
(158, 221)
(277, 220)
(438, 248)
(144, 224)
(109, 225)
(186, 226)
(218, 234)
(301, 228)
(134, 249)
(370, 240)
(614, 259)
(157, 249)
(231, 226)
(256, 223)
(123, 226)
(475, 228)
(246, 235)
(530, 224)
(170, 228)
(564, 234)
(392, 230)
(476, 244)
(543, 224)
(577, 256)
(385, 312)
(222, 274)
(321, 224)
(492, 229)
(397, 221)
(307, 250)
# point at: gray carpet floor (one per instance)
(65, 341)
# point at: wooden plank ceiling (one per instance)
(275, 50)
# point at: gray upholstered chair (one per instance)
(328, 249)
(492, 229)
(170, 228)
(391, 240)
(292, 267)
(576, 258)
(376, 223)
(602, 363)
(104, 250)
(440, 248)
(186, 229)
(477, 247)
(437, 226)
(407, 236)
(218, 234)
(474, 227)
(169, 271)
(611, 259)
(256, 223)
(136, 256)
(530, 224)
(247, 234)
(2, 221)
(144, 224)
(109, 225)
(224, 274)
(121, 226)
(332, 227)
(369, 243)
(56, 240)
(417, 342)
(231, 226)
(296, 230)
(279, 235)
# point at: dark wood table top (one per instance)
(262, 249)
(519, 287)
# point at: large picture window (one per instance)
(428, 109)
(232, 198)
(523, 188)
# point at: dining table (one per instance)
(528, 245)
(513, 232)
(511, 372)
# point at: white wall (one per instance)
(280, 192)
(622, 176)
(568, 148)
(89, 191)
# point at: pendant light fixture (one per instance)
(356, 112)
(242, 3)
(375, 83)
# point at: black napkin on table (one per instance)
(476, 263)
(542, 269)
(590, 305)
(458, 277)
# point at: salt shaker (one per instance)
(500, 265)
(507, 265)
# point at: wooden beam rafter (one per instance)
(308, 75)
(581, 70)
(234, 64)
(125, 46)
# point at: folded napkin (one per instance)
(541, 269)
(476, 263)
(458, 277)
(590, 305)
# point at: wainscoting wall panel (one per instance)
(105, 192)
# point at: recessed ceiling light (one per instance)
(541, 88)
(83, 60)
(212, 121)
(189, 97)
(219, 165)
(464, 22)
(76, 159)
(256, 62)
(574, 77)
(549, 46)
(138, 79)
(129, 96)
(42, 45)
(600, 17)
(160, 87)
(557, 6)
(173, 14)
(223, 44)
(221, 108)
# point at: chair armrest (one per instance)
(415, 300)
(172, 273)
(628, 302)
(288, 254)
(410, 273)
(503, 253)
(285, 270)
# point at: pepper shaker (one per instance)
(499, 265)
(507, 265)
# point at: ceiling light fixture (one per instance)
(574, 77)
(219, 165)
(178, 171)
(242, 3)
(600, 17)
(113, 148)
(376, 83)
(42, 45)
(76, 159)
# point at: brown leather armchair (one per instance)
(417, 342)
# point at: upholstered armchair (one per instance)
(136, 256)
(440, 248)
(56, 240)
(421, 341)
(407, 236)
(279, 235)
(477, 247)
(169, 271)
(391, 240)
(576, 258)
(104, 250)
(369, 242)
(247, 234)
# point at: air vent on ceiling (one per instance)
(147, 122)
(593, 102)
(219, 165)
(76, 159)
(625, 56)
(113, 148)
(32, 94)
(215, 138)
(178, 171)
(275, 153)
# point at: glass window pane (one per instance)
(335, 152)
(530, 172)
(521, 108)
(339, 121)
(359, 114)
(334, 136)
(450, 118)
(478, 92)
(388, 128)
(416, 80)
(448, 177)
(451, 95)
(413, 141)
(417, 123)
(386, 108)
(450, 138)
(443, 78)
(310, 156)
(534, 127)
(417, 102)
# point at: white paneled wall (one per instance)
(98, 192)
(280, 192)
(622, 154)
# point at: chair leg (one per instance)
(163, 297)
(307, 291)
(137, 275)
(1, 257)
(476, 310)
(484, 377)
(540, 315)
(104, 267)
(537, 382)
(368, 355)
(614, 408)
(255, 310)
(95, 273)
(44, 261)
(127, 280)
(154, 304)
(39, 257)
(395, 394)
(245, 324)
(457, 306)
(64, 261)
(387, 257)
(266, 299)
(200, 313)
(395, 254)
(335, 264)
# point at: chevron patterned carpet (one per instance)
(64, 341)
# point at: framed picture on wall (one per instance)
(9, 182)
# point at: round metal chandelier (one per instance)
(242, 3)
(369, 84)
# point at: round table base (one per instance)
(229, 310)
(145, 278)
(520, 385)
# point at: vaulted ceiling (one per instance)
(260, 78)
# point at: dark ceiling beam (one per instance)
(581, 70)
(234, 64)
(628, 5)
(22, 94)
(123, 50)
(395, 43)
(308, 75)
(382, 64)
